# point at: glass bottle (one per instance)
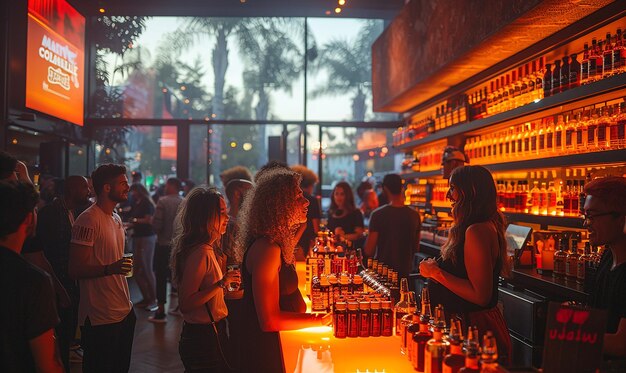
(539, 89)
(582, 264)
(489, 355)
(617, 127)
(607, 57)
(364, 318)
(574, 71)
(541, 138)
(472, 352)
(564, 74)
(569, 143)
(560, 204)
(543, 199)
(581, 130)
(418, 346)
(387, 319)
(547, 81)
(559, 135)
(375, 319)
(592, 127)
(571, 264)
(550, 134)
(455, 359)
(411, 329)
(556, 78)
(353, 319)
(560, 258)
(619, 54)
(595, 62)
(406, 320)
(506, 84)
(551, 197)
(437, 347)
(603, 134)
(535, 198)
(402, 307)
(574, 195)
(340, 320)
(584, 66)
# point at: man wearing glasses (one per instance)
(605, 211)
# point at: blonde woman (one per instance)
(272, 219)
(201, 283)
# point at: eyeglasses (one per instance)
(588, 219)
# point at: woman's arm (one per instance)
(478, 263)
(190, 296)
(263, 262)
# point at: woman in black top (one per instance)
(465, 277)
(344, 219)
(144, 241)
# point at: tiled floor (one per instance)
(155, 348)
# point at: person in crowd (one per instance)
(344, 219)
(163, 225)
(465, 278)
(144, 240)
(136, 177)
(605, 219)
(105, 311)
(452, 158)
(188, 186)
(394, 229)
(309, 179)
(237, 172)
(269, 166)
(28, 317)
(369, 199)
(54, 233)
(12, 169)
(271, 218)
(382, 195)
(201, 282)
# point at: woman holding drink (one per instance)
(200, 281)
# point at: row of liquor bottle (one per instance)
(567, 263)
(431, 346)
(528, 83)
(591, 129)
(423, 159)
(362, 316)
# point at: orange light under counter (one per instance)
(315, 350)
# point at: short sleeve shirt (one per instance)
(105, 300)
(349, 223)
(609, 291)
(142, 209)
(28, 311)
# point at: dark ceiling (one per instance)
(384, 9)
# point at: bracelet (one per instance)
(106, 269)
(221, 284)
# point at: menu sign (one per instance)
(55, 60)
(574, 338)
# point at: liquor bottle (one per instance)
(560, 258)
(569, 143)
(364, 318)
(541, 138)
(530, 84)
(402, 307)
(422, 337)
(556, 78)
(550, 134)
(519, 141)
(520, 87)
(539, 89)
(375, 319)
(603, 131)
(472, 352)
(455, 359)
(353, 319)
(406, 320)
(592, 127)
(584, 66)
(483, 103)
(387, 319)
(560, 204)
(411, 329)
(565, 73)
(607, 57)
(617, 127)
(547, 81)
(340, 320)
(575, 197)
(574, 71)
(437, 347)
(489, 355)
(595, 62)
(317, 302)
(551, 197)
(326, 293)
(619, 54)
(559, 136)
(506, 82)
(571, 264)
(535, 198)
(543, 199)
(581, 130)
(583, 263)
(567, 200)
(490, 99)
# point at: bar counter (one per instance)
(315, 350)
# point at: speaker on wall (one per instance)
(52, 158)
(276, 150)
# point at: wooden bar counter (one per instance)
(315, 350)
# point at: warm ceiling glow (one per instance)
(101, 10)
(233, 144)
(384, 149)
(182, 87)
(355, 157)
(337, 10)
(247, 146)
(341, 2)
(14, 141)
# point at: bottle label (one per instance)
(568, 137)
(341, 326)
(353, 325)
(376, 324)
(549, 140)
(558, 139)
(364, 324)
(559, 265)
(617, 58)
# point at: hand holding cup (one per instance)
(232, 278)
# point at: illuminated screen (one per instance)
(55, 60)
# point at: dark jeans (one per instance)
(66, 329)
(162, 269)
(199, 350)
(107, 348)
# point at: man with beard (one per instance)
(96, 259)
(605, 219)
(28, 316)
(54, 232)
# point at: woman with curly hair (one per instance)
(344, 218)
(465, 277)
(272, 218)
(200, 281)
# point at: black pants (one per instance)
(66, 329)
(162, 269)
(199, 350)
(107, 348)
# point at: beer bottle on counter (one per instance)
(489, 355)
(455, 359)
(583, 263)
(423, 335)
(387, 319)
(571, 264)
(353, 319)
(375, 319)
(406, 321)
(402, 307)
(436, 348)
(364, 318)
(412, 327)
(472, 351)
(560, 258)
(340, 320)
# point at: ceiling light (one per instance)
(101, 10)
(341, 2)
(337, 10)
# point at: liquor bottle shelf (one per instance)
(560, 221)
(581, 159)
(420, 174)
(576, 94)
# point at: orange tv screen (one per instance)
(55, 60)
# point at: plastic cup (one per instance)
(129, 258)
(233, 286)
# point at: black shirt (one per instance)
(54, 231)
(349, 223)
(398, 235)
(141, 209)
(609, 291)
(312, 213)
(28, 311)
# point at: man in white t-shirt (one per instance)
(96, 259)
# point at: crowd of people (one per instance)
(231, 256)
